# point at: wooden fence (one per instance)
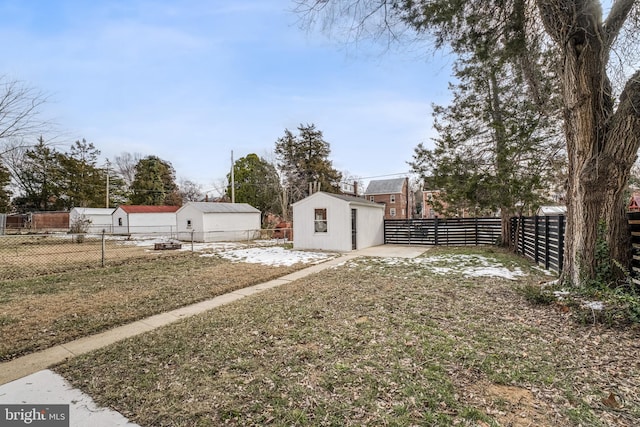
(540, 239)
(446, 232)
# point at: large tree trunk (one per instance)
(601, 143)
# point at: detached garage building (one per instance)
(140, 219)
(334, 222)
(99, 218)
(218, 222)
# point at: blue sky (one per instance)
(190, 81)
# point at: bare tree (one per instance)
(126, 166)
(20, 111)
(190, 191)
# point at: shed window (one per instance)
(188, 223)
(320, 220)
(120, 221)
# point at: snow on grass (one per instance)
(275, 256)
(465, 265)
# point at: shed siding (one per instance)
(115, 218)
(337, 237)
(101, 219)
(141, 223)
(370, 224)
(217, 226)
(370, 227)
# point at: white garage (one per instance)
(96, 219)
(139, 219)
(217, 222)
(336, 222)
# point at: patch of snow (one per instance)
(494, 272)
(275, 256)
(550, 284)
(560, 295)
(442, 270)
(466, 265)
(594, 305)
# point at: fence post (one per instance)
(435, 230)
(384, 231)
(476, 227)
(561, 220)
(522, 236)
(192, 232)
(103, 247)
(546, 242)
(535, 238)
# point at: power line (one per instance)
(383, 176)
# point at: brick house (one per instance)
(428, 206)
(395, 194)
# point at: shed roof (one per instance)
(348, 199)
(148, 209)
(385, 186)
(213, 207)
(552, 210)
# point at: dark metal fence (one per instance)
(540, 239)
(634, 229)
(445, 232)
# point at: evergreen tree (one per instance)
(154, 183)
(256, 183)
(602, 127)
(303, 161)
(84, 183)
(40, 179)
(496, 149)
(5, 193)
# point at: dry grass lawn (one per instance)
(378, 343)
(39, 312)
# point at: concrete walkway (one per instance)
(34, 362)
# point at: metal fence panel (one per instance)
(445, 232)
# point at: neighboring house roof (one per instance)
(213, 207)
(148, 209)
(552, 210)
(346, 198)
(94, 211)
(385, 186)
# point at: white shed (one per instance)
(335, 222)
(217, 222)
(139, 219)
(98, 218)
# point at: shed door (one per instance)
(354, 234)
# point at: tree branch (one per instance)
(623, 140)
(616, 19)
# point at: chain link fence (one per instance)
(29, 255)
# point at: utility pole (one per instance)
(233, 183)
(107, 196)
